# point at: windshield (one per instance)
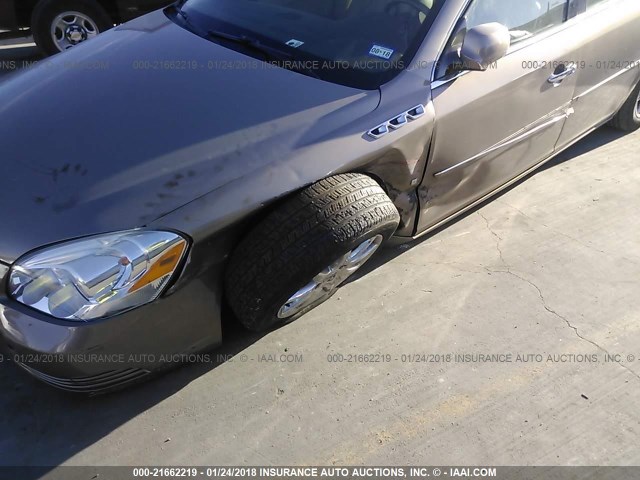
(359, 43)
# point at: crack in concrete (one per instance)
(545, 305)
(498, 240)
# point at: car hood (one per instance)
(145, 118)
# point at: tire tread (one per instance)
(311, 226)
(626, 120)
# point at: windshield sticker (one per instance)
(294, 43)
(382, 52)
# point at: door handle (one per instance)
(557, 78)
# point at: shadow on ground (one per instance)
(37, 436)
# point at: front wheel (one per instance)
(297, 257)
(58, 25)
(628, 118)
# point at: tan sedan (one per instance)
(256, 153)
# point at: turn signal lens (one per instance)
(98, 276)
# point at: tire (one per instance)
(628, 118)
(337, 219)
(93, 19)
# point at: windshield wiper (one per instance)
(185, 18)
(281, 58)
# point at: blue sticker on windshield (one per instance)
(381, 52)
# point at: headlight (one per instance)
(97, 276)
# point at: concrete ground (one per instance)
(551, 267)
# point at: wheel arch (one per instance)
(214, 243)
(223, 242)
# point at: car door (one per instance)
(7, 15)
(609, 67)
(494, 125)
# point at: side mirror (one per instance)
(484, 45)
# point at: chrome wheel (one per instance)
(70, 28)
(328, 280)
(637, 112)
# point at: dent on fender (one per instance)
(403, 164)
